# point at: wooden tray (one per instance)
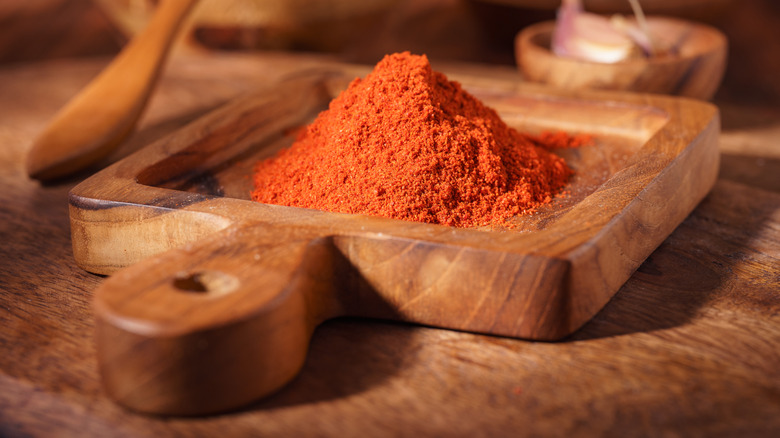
(224, 293)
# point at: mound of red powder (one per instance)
(407, 143)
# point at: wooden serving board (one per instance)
(224, 293)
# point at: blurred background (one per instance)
(363, 31)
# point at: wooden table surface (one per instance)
(690, 346)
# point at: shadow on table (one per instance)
(347, 356)
(693, 266)
(667, 291)
(760, 172)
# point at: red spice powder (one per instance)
(407, 143)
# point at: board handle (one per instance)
(215, 325)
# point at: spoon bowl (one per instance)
(96, 120)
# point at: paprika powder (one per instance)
(407, 143)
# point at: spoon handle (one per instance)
(95, 121)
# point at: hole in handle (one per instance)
(210, 283)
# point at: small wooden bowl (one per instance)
(694, 71)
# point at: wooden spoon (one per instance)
(96, 121)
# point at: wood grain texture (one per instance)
(278, 272)
(687, 346)
(696, 71)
